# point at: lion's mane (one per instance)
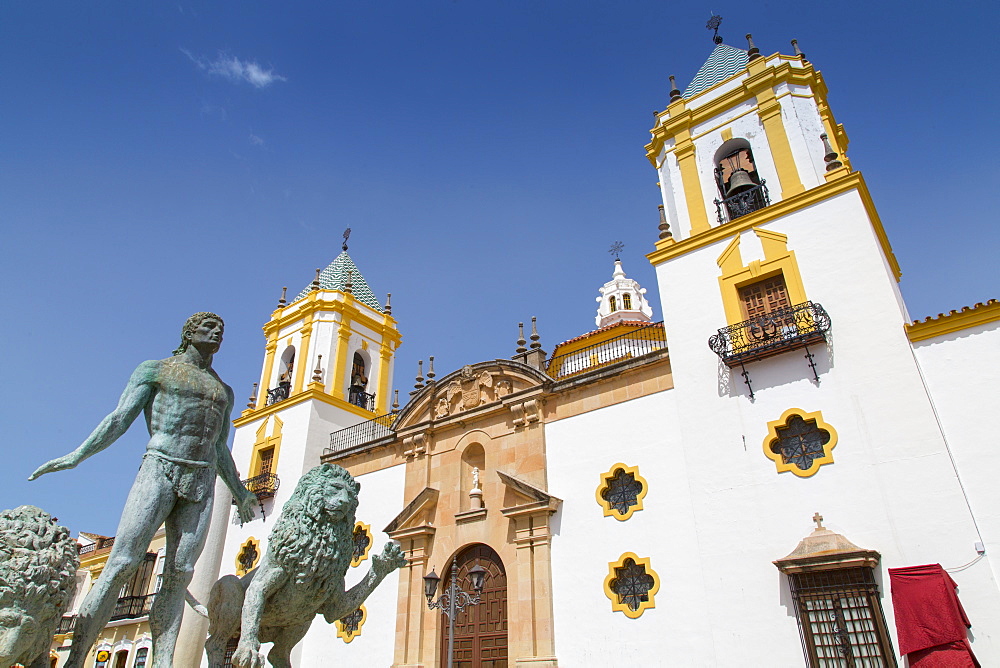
(38, 562)
(304, 541)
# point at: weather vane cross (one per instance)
(713, 24)
(616, 250)
(347, 234)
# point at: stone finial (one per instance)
(315, 284)
(798, 51)
(349, 284)
(282, 302)
(534, 335)
(520, 339)
(252, 402)
(395, 401)
(430, 371)
(317, 376)
(754, 52)
(675, 93)
(664, 227)
(388, 303)
(420, 376)
(830, 156)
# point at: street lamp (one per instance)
(454, 600)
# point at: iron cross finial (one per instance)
(616, 249)
(818, 519)
(347, 234)
(713, 24)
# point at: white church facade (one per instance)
(728, 486)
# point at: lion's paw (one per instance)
(247, 657)
(390, 559)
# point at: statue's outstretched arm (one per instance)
(137, 393)
(382, 564)
(245, 499)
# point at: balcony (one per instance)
(264, 486)
(132, 607)
(636, 343)
(279, 393)
(101, 544)
(742, 203)
(361, 399)
(359, 434)
(66, 625)
(771, 334)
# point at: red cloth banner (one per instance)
(930, 622)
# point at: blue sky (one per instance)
(161, 159)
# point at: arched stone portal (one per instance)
(480, 630)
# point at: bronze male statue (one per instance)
(187, 409)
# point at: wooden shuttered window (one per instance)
(764, 297)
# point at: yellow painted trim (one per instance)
(270, 348)
(307, 394)
(772, 435)
(309, 305)
(339, 375)
(616, 604)
(955, 321)
(777, 260)
(383, 390)
(263, 442)
(304, 367)
(367, 528)
(240, 570)
(696, 206)
(606, 480)
(853, 181)
(769, 111)
(727, 134)
(348, 636)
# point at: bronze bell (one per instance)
(739, 181)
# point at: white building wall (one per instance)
(961, 375)
(891, 487)
(380, 499)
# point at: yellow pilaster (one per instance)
(383, 390)
(303, 367)
(769, 112)
(340, 358)
(684, 153)
(272, 345)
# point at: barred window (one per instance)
(631, 585)
(362, 538)
(800, 441)
(248, 556)
(841, 619)
(612, 303)
(627, 301)
(349, 626)
(621, 491)
(227, 659)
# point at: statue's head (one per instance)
(197, 322)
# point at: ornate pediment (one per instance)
(469, 388)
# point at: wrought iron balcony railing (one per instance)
(66, 625)
(364, 432)
(770, 334)
(742, 203)
(264, 486)
(636, 343)
(101, 544)
(361, 399)
(130, 607)
(279, 393)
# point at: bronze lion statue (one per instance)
(300, 575)
(38, 562)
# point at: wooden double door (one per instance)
(480, 630)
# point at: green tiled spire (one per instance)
(334, 277)
(724, 62)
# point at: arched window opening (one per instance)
(613, 303)
(359, 383)
(473, 459)
(742, 189)
(121, 658)
(480, 630)
(140, 657)
(627, 301)
(285, 372)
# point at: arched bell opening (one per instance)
(286, 369)
(736, 177)
(357, 390)
(481, 629)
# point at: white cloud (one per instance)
(255, 140)
(236, 70)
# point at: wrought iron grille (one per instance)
(101, 544)
(231, 647)
(248, 556)
(352, 621)
(66, 624)
(365, 432)
(279, 393)
(742, 203)
(771, 333)
(841, 619)
(362, 539)
(800, 442)
(130, 607)
(641, 341)
(622, 491)
(632, 584)
(264, 486)
(361, 399)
